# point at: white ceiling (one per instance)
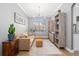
(42, 9)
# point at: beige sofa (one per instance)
(24, 44)
(25, 41)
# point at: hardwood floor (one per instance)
(24, 53)
(65, 53)
(76, 53)
(35, 51)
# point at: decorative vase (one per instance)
(11, 37)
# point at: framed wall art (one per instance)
(18, 18)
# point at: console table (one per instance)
(10, 48)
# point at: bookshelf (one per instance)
(60, 32)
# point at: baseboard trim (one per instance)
(71, 51)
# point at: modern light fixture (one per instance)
(39, 11)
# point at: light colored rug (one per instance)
(48, 49)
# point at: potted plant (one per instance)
(11, 32)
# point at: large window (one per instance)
(38, 24)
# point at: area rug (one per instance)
(48, 49)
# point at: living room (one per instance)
(35, 21)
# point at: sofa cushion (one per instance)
(25, 34)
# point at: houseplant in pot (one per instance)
(11, 32)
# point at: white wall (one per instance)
(76, 35)
(66, 7)
(7, 17)
(75, 14)
(76, 42)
